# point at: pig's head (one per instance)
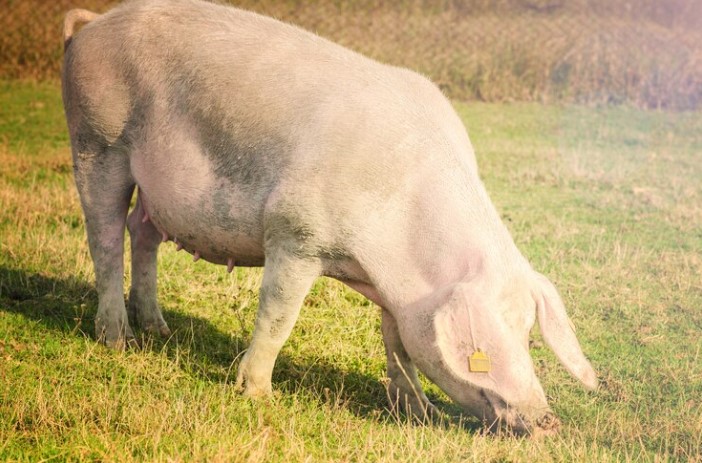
(444, 331)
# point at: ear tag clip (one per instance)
(479, 362)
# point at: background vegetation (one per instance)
(642, 52)
(605, 199)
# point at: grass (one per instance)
(606, 201)
(641, 52)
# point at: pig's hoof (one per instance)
(412, 406)
(148, 316)
(121, 343)
(160, 329)
(124, 344)
(165, 331)
(256, 392)
(115, 337)
(250, 387)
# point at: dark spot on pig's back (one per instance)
(243, 151)
(246, 157)
(223, 202)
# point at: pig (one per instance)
(251, 142)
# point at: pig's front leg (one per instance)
(404, 390)
(286, 281)
(145, 239)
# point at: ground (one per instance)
(606, 201)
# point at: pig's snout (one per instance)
(512, 422)
(525, 420)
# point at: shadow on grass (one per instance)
(69, 305)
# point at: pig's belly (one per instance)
(217, 238)
(208, 216)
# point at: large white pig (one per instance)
(255, 143)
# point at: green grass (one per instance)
(606, 201)
(31, 117)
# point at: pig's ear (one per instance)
(559, 334)
(465, 324)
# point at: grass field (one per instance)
(607, 202)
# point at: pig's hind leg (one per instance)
(143, 305)
(404, 390)
(105, 187)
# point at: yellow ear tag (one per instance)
(479, 362)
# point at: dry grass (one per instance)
(645, 52)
